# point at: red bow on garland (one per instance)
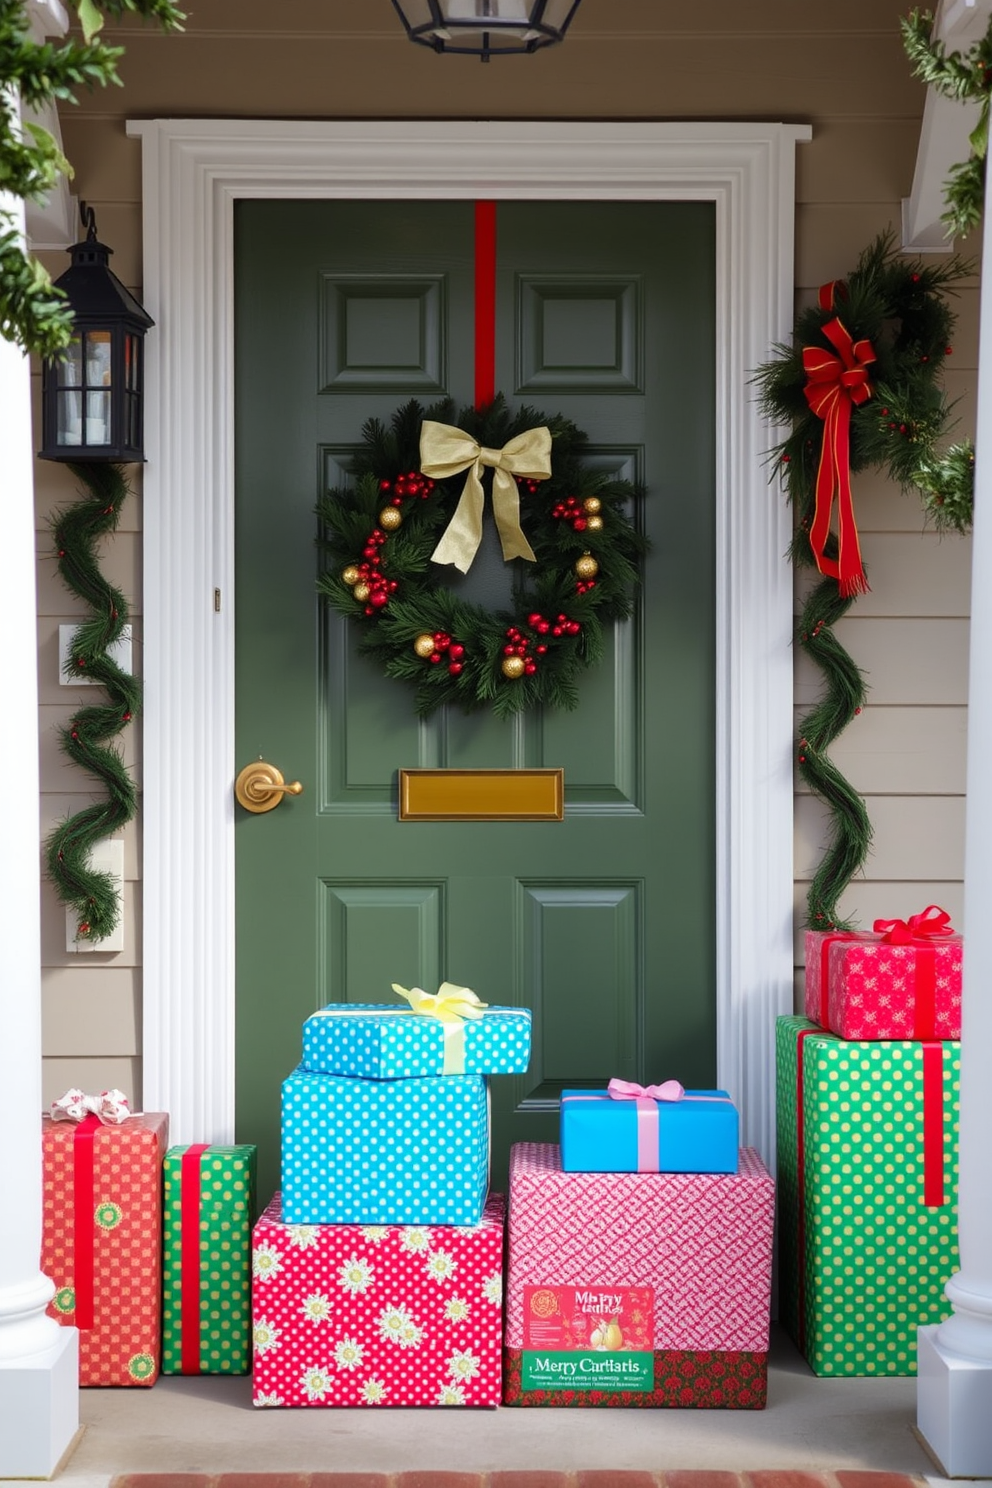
(835, 385)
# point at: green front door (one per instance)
(602, 924)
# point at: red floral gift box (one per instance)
(366, 1315)
(901, 982)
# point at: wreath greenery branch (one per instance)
(967, 78)
(896, 305)
(379, 534)
(86, 738)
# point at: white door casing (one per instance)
(193, 172)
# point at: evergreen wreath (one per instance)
(379, 534)
(86, 738)
(894, 305)
(966, 78)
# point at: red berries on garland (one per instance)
(521, 651)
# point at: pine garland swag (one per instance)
(964, 77)
(895, 304)
(86, 738)
(420, 631)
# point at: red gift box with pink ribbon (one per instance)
(903, 981)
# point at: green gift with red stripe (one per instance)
(208, 1212)
(867, 1186)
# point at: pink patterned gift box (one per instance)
(702, 1241)
(346, 1315)
(861, 986)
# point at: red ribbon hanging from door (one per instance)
(835, 385)
(485, 302)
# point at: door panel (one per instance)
(602, 923)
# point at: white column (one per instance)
(954, 1395)
(39, 1395)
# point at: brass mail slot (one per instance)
(482, 795)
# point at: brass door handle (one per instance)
(260, 787)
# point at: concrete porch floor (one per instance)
(209, 1426)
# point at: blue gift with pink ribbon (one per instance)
(632, 1128)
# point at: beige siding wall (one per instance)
(839, 68)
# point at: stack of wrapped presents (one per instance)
(639, 1257)
(378, 1269)
(148, 1249)
(867, 1103)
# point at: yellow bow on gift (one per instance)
(451, 1005)
(445, 450)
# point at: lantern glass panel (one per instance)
(69, 421)
(98, 359)
(98, 418)
(70, 372)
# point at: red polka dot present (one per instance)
(102, 1241)
(346, 1315)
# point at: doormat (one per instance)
(525, 1478)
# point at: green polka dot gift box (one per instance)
(208, 1212)
(867, 1182)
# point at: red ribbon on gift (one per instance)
(920, 930)
(835, 385)
(84, 1211)
(189, 1244)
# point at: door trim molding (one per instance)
(193, 172)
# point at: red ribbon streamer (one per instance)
(485, 302)
(84, 1212)
(835, 384)
(189, 1274)
(933, 1125)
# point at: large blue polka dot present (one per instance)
(358, 1151)
(437, 1034)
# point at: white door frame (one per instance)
(193, 172)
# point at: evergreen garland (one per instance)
(422, 632)
(85, 740)
(895, 304)
(965, 78)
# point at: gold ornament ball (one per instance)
(592, 504)
(390, 518)
(513, 666)
(351, 574)
(594, 524)
(362, 592)
(424, 645)
(586, 567)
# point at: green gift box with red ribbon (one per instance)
(903, 981)
(867, 1187)
(208, 1212)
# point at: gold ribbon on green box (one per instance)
(452, 1006)
(445, 450)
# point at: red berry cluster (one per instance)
(380, 588)
(582, 585)
(562, 626)
(412, 483)
(527, 485)
(571, 510)
(443, 643)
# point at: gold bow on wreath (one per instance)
(445, 450)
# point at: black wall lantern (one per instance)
(486, 28)
(92, 401)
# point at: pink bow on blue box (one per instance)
(631, 1128)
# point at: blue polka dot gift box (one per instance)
(449, 1032)
(412, 1152)
(377, 1315)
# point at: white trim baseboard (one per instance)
(193, 171)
